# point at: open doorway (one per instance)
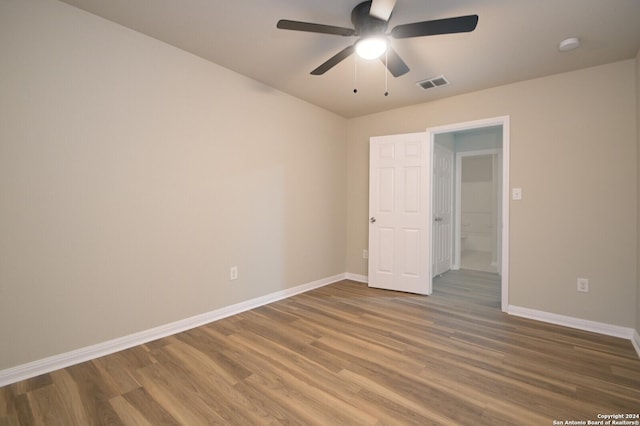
(477, 207)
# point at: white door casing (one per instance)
(442, 199)
(399, 213)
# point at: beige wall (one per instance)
(133, 175)
(638, 185)
(573, 151)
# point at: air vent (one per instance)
(433, 82)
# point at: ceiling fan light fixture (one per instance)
(371, 47)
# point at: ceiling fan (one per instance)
(370, 20)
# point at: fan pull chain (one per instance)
(355, 74)
(386, 72)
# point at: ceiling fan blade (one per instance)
(285, 24)
(460, 24)
(334, 60)
(382, 9)
(394, 63)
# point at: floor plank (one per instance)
(348, 354)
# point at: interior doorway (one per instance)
(479, 205)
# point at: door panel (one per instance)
(386, 191)
(384, 254)
(411, 239)
(399, 213)
(412, 188)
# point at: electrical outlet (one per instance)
(583, 285)
(365, 253)
(233, 273)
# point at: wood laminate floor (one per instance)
(348, 354)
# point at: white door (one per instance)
(399, 213)
(442, 209)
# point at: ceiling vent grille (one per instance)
(430, 83)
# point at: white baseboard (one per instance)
(356, 277)
(580, 324)
(56, 362)
(636, 342)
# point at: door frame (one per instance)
(468, 125)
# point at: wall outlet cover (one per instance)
(583, 285)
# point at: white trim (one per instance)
(506, 189)
(580, 324)
(356, 277)
(496, 121)
(56, 362)
(635, 341)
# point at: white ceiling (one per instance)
(515, 40)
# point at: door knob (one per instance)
(438, 219)
(372, 220)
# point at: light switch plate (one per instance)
(516, 193)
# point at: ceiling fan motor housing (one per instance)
(364, 23)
